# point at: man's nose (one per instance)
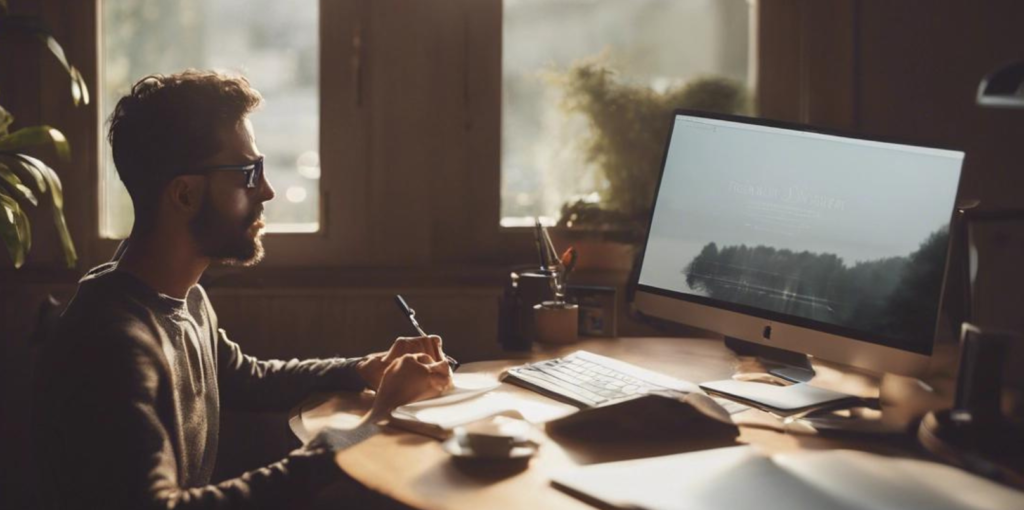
(266, 189)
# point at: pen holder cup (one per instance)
(556, 322)
(534, 287)
(526, 288)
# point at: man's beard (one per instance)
(226, 240)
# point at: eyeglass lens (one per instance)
(256, 174)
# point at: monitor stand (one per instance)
(789, 365)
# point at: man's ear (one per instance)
(185, 194)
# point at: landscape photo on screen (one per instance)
(844, 232)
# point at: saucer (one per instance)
(459, 450)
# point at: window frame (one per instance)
(350, 186)
(284, 249)
(348, 182)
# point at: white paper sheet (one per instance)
(477, 397)
(465, 386)
(740, 477)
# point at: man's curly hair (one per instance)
(169, 124)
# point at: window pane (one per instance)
(273, 43)
(651, 43)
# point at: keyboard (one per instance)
(592, 380)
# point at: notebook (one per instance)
(784, 400)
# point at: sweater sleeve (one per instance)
(247, 383)
(116, 453)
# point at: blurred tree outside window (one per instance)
(274, 44)
(652, 49)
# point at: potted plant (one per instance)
(628, 127)
(24, 179)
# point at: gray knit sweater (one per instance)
(128, 397)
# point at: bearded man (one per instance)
(129, 389)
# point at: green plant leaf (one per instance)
(14, 183)
(36, 174)
(57, 199)
(66, 243)
(14, 229)
(78, 83)
(52, 181)
(5, 120)
(33, 26)
(37, 135)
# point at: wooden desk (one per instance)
(415, 471)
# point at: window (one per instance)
(649, 43)
(274, 44)
(458, 108)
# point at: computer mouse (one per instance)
(654, 416)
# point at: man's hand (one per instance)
(406, 378)
(371, 369)
(409, 378)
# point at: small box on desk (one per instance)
(596, 309)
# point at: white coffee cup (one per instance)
(492, 438)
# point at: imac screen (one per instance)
(834, 233)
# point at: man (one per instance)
(129, 390)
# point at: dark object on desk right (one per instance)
(974, 434)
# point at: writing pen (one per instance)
(411, 314)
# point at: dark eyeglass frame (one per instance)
(253, 171)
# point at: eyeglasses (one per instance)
(253, 171)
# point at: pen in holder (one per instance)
(557, 321)
(533, 305)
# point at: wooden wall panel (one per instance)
(417, 94)
(922, 63)
(807, 61)
(469, 173)
(338, 322)
(778, 60)
(344, 128)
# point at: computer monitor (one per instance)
(784, 235)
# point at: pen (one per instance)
(411, 314)
(538, 238)
(568, 260)
(552, 254)
(555, 267)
